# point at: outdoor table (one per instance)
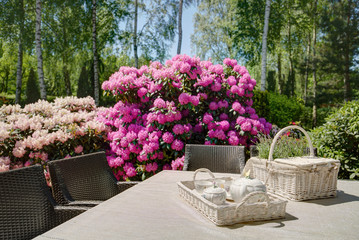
(153, 209)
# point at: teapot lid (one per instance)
(214, 190)
(251, 181)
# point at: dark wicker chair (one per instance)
(84, 180)
(27, 208)
(217, 158)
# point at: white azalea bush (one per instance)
(45, 131)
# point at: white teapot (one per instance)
(243, 186)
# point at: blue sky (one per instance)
(187, 31)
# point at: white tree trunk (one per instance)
(315, 65)
(180, 27)
(135, 34)
(264, 46)
(19, 53)
(95, 57)
(40, 70)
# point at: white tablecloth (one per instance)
(154, 210)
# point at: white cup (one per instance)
(200, 185)
(220, 183)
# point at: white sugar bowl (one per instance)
(215, 194)
(243, 186)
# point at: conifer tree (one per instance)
(32, 88)
(84, 85)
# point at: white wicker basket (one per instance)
(256, 206)
(297, 178)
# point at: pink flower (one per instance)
(159, 103)
(142, 135)
(118, 162)
(167, 137)
(235, 89)
(254, 116)
(130, 170)
(177, 145)
(237, 106)
(178, 163)
(184, 98)
(207, 118)
(213, 106)
(178, 129)
(246, 126)
(131, 136)
(233, 140)
(167, 167)
(142, 92)
(223, 104)
(197, 128)
(250, 110)
(218, 69)
(194, 100)
(187, 128)
(18, 152)
(27, 163)
(224, 125)
(223, 116)
(185, 67)
(161, 118)
(220, 134)
(216, 87)
(211, 125)
(231, 81)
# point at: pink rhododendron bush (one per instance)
(162, 107)
(45, 131)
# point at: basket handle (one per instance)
(202, 170)
(252, 195)
(271, 151)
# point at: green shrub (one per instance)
(286, 146)
(338, 138)
(280, 109)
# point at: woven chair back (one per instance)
(85, 177)
(217, 158)
(26, 205)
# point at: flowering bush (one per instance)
(45, 131)
(162, 107)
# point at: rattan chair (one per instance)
(84, 180)
(27, 208)
(217, 158)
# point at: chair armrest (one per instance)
(84, 203)
(122, 185)
(64, 213)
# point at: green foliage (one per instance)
(286, 146)
(338, 138)
(280, 109)
(261, 103)
(32, 88)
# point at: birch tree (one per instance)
(180, 7)
(40, 70)
(314, 64)
(20, 52)
(95, 56)
(135, 34)
(264, 46)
